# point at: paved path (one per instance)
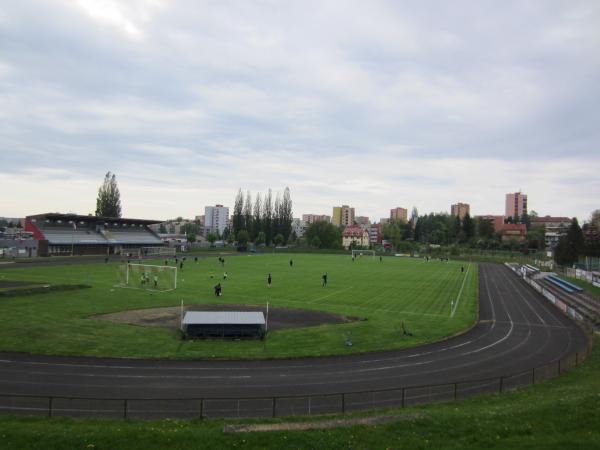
(517, 330)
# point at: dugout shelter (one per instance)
(73, 234)
(223, 324)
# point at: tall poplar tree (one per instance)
(108, 203)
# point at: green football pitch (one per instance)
(382, 295)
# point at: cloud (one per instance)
(376, 105)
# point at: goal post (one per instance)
(158, 251)
(356, 253)
(147, 276)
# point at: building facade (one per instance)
(216, 219)
(374, 233)
(362, 220)
(515, 205)
(399, 214)
(299, 227)
(460, 210)
(554, 228)
(311, 218)
(355, 235)
(342, 215)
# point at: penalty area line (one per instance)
(460, 292)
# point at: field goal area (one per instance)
(147, 276)
(158, 251)
(356, 253)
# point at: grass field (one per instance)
(384, 293)
(563, 413)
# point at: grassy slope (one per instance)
(385, 293)
(560, 414)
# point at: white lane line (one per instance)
(460, 292)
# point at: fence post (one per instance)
(559, 366)
(533, 376)
(403, 396)
(201, 408)
(501, 384)
(49, 406)
(455, 390)
(274, 405)
(125, 409)
(576, 358)
(343, 403)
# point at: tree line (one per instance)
(264, 220)
(579, 242)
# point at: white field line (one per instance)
(460, 292)
(329, 295)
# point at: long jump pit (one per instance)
(279, 318)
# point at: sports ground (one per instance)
(384, 298)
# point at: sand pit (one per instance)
(279, 318)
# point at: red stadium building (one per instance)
(73, 234)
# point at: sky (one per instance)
(372, 104)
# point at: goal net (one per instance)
(147, 276)
(158, 251)
(356, 253)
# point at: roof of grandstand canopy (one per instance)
(82, 218)
(224, 317)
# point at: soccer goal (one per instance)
(356, 253)
(147, 276)
(158, 251)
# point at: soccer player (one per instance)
(291, 263)
(225, 276)
(269, 280)
(155, 281)
(181, 265)
(142, 279)
(196, 259)
(380, 258)
(324, 279)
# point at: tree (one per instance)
(329, 235)
(570, 246)
(260, 238)
(242, 239)
(237, 218)
(485, 229)
(315, 242)
(468, 227)
(278, 239)
(595, 219)
(267, 222)
(211, 237)
(191, 238)
(248, 215)
(108, 203)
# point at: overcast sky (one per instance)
(369, 103)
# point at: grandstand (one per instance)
(72, 234)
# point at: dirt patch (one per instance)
(279, 318)
(321, 425)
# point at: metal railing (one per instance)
(279, 406)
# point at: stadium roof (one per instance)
(224, 318)
(59, 216)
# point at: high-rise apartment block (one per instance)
(216, 219)
(342, 215)
(399, 214)
(460, 210)
(311, 218)
(516, 205)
